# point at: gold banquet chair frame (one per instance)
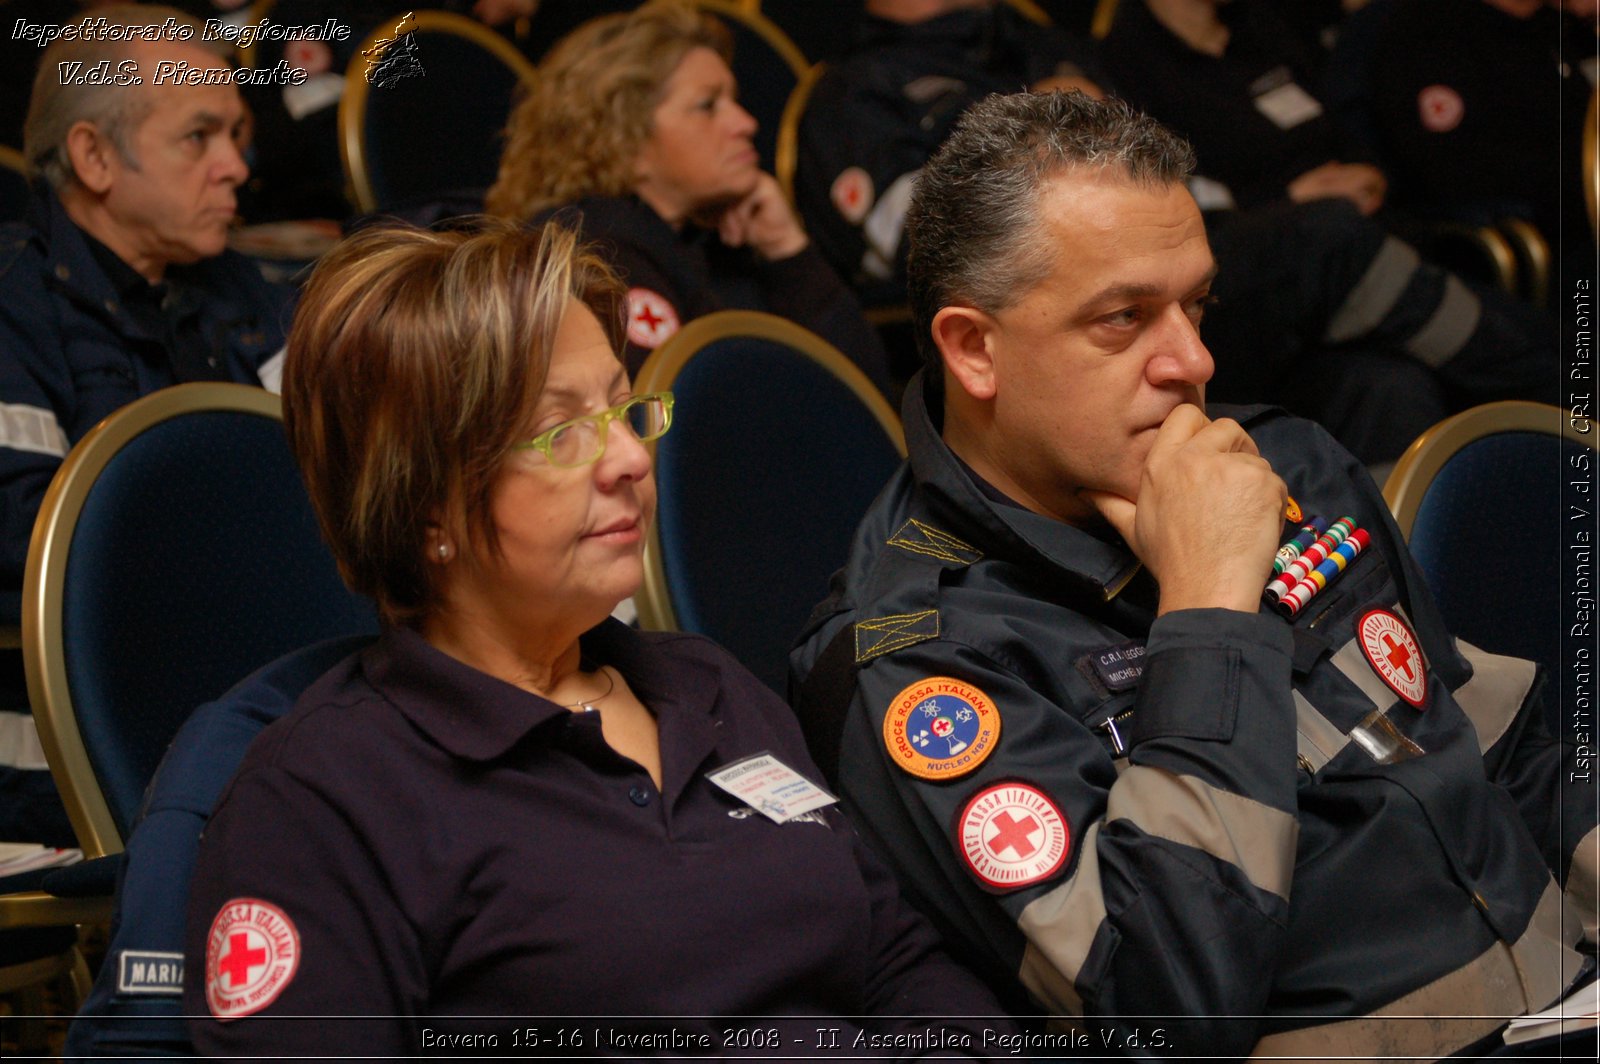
(662, 369)
(786, 160)
(44, 650)
(1408, 482)
(353, 149)
(749, 17)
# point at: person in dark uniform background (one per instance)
(1399, 343)
(1476, 110)
(1239, 83)
(634, 132)
(1120, 782)
(510, 791)
(881, 109)
(117, 285)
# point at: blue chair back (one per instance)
(1487, 536)
(778, 446)
(429, 128)
(13, 185)
(1479, 498)
(176, 553)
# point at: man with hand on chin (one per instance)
(1132, 786)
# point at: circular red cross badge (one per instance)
(1012, 835)
(251, 955)
(1394, 654)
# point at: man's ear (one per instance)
(965, 338)
(90, 153)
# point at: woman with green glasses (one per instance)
(511, 805)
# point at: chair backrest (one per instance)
(1591, 164)
(818, 38)
(1031, 11)
(425, 101)
(778, 446)
(175, 552)
(1479, 499)
(13, 185)
(1105, 13)
(766, 65)
(786, 160)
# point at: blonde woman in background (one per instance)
(632, 130)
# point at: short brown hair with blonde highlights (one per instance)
(414, 361)
(586, 116)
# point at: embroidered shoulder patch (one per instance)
(651, 319)
(940, 728)
(1394, 654)
(1440, 108)
(1011, 835)
(920, 538)
(252, 953)
(880, 635)
(852, 194)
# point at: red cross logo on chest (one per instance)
(1399, 655)
(1016, 835)
(1391, 648)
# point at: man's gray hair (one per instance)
(973, 225)
(116, 110)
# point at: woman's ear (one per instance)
(440, 547)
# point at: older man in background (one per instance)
(117, 285)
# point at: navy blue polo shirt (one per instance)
(419, 842)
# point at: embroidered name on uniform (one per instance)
(149, 972)
(1119, 667)
(919, 538)
(883, 634)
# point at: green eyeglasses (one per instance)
(583, 439)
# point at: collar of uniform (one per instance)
(128, 282)
(450, 701)
(70, 262)
(1105, 567)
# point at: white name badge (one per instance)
(312, 95)
(771, 788)
(1288, 105)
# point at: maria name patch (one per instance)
(149, 972)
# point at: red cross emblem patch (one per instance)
(651, 319)
(251, 954)
(1440, 108)
(852, 194)
(313, 57)
(1394, 654)
(1011, 835)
